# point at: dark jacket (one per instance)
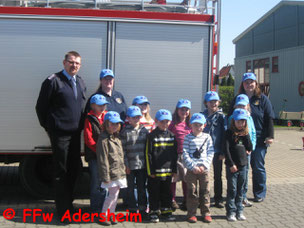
(216, 127)
(235, 149)
(117, 103)
(161, 153)
(96, 131)
(110, 158)
(57, 108)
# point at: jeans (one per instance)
(235, 188)
(258, 171)
(217, 175)
(140, 177)
(246, 178)
(97, 194)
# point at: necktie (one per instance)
(74, 86)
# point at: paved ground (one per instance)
(283, 206)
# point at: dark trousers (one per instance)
(217, 175)
(160, 194)
(139, 177)
(67, 163)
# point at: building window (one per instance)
(275, 64)
(248, 66)
(261, 70)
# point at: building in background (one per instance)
(225, 72)
(273, 48)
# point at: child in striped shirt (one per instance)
(198, 153)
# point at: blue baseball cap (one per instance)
(211, 96)
(247, 76)
(98, 99)
(183, 103)
(198, 118)
(163, 114)
(140, 100)
(240, 114)
(242, 99)
(133, 111)
(113, 117)
(105, 73)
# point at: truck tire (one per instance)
(35, 172)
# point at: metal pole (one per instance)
(219, 2)
(47, 3)
(95, 1)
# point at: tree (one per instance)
(224, 81)
(230, 80)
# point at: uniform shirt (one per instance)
(193, 144)
(116, 103)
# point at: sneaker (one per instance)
(231, 218)
(258, 200)
(105, 223)
(154, 218)
(241, 217)
(175, 205)
(219, 205)
(192, 219)
(246, 203)
(183, 206)
(207, 219)
(168, 217)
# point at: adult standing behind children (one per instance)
(197, 157)
(263, 115)
(92, 130)
(106, 88)
(60, 111)
(216, 126)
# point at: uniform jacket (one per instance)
(110, 158)
(161, 153)
(57, 108)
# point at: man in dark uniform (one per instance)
(60, 112)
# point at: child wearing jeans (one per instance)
(197, 157)
(180, 127)
(237, 146)
(110, 161)
(92, 130)
(161, 157)
(133, 138)
(242, 101)
(216, 127)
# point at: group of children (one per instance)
(153, 155)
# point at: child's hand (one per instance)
(128, 171)
(202, 169)
(248, 152)
(152, 176)
(196, 170)
(233, 169)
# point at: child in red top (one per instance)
(92, 130)
(180, 127)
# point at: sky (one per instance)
(237, 16)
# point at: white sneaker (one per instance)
(231, 218)
(241, 217)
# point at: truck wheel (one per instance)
(36, 173)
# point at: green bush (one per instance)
(226, 94)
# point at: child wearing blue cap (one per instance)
(242, 101)
(161, 158)
(110, 160)
(144, 105)
(92, 129)
(197, 157)
(133, 138)
(237, 146)
(216, 127)
(180, 127)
